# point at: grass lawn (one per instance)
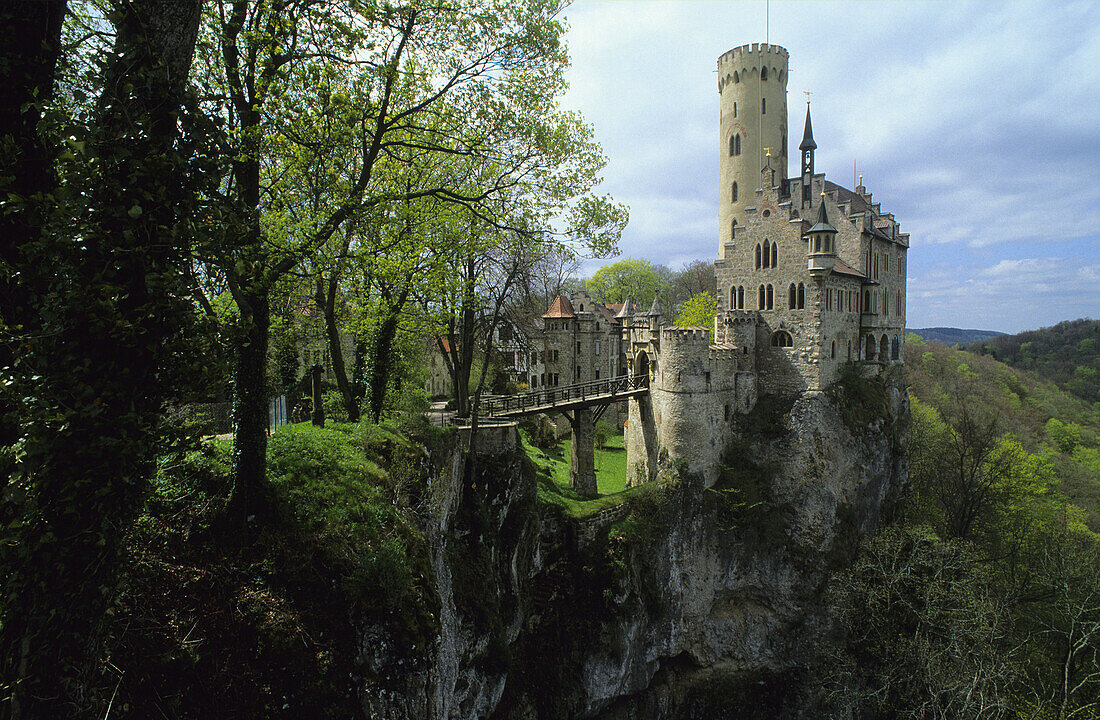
(610, 464)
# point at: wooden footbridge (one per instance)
(595, 394)
(583, 404)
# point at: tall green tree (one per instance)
(630, 278)
(96, 341)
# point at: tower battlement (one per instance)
(740, 52)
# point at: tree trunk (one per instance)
(250, 409)
(326, 301)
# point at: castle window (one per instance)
(849, 349)
(832, 350)
(801, 296)
(894, 349)
(770, 297)
(764, 104)
(767, 254)
(735, 144)
(735, 109)
(733, 228)
(578, 347)
(763, 73)
(733, 193)
(760, 304)
(736, 77)
(792, 297)
(597, 373)
(775, 254)
(817, 243)
(884, 350)
(757, 259)
(741, 297)
(733, 297)
(726, 412)
(767, 213)
(866, 301)
(782, 338)
(597, 347)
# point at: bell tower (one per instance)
(752, 90)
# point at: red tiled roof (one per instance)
(560, 308)
(843, 268)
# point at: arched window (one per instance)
(782, 338)
(733, 144)
(741, 297)
(801, 296)
(849, 349)
(733, 297)
(884, 349)
(792, 297)
(733, 193)
(867, 302)
(760, 305)
(775, 255)
(736, 77)
(757, 260)
(763, 75)
(895, 351)
(738, 138)
(767, 254)
(869, 350)
(771, 297)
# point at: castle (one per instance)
(810, 275)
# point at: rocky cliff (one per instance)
(675, 602)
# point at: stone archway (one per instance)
(641, 364)
(884, 349)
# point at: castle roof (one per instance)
(822, 224)
(560, 308)
(808, 136)
(626, 309)
(655, 308)
(842, 268)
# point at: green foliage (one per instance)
(699, 311)
(1067, 354)
(631, 278)
(1065, 436)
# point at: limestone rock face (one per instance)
(683, 602)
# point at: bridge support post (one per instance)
(582, 468)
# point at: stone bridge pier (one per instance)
(582, 467)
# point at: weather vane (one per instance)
(807, 93)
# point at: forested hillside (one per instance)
(983, 598)
(1067, 353)
(953, 336)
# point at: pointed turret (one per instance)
(821, 242)
(625, 311)
(807, 147)
(655, 314)
(808, 134)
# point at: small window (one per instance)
(832, 350)
(766, 255)
(760, 304)
(801, 296)
(792, 297)
(782, 338)
(764, 105)
(578, 347)
(741, 297)
(763, 75)
(733, 297)
(775, 254)
(735, 109)
(770, 297)
(757, 258)
(767, 213)
(726, 412)
(733, 193)
(597, 347)
(736, 77)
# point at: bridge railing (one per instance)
(552, 396)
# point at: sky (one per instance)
(976, 123)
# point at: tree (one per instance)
(699, 311)
(393, 104)
(630, 278)
(96, 339)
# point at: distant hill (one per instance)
(1068, 354)
(953, 336)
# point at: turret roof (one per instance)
(655, 308)
(560, 308)
(626, 310)
(822, 224)
(808, 136)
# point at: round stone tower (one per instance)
(752, 87)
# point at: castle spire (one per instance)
(807, 147)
